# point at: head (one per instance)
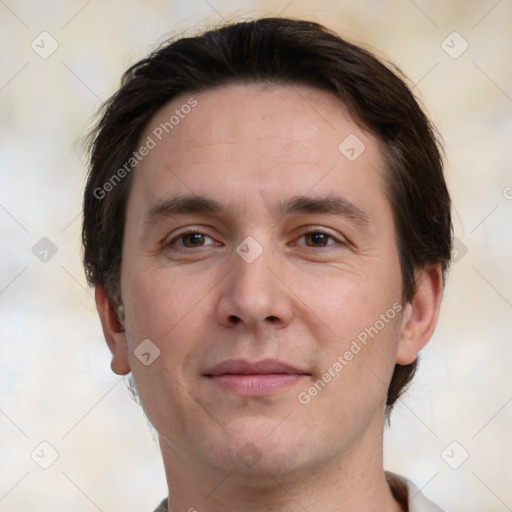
(248, 133)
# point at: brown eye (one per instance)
(319, 239)
(316, 239)
(193, 239)
(190, 240)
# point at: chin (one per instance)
(257, 448)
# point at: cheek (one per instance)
(172, 311)
(169, 316)
(363, 314)
(154, 304)
(359, 365)
(350, 302)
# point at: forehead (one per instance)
(260, 139)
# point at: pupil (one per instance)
(317, 238)
(195, 238)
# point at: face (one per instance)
(260, 261)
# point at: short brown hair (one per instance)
(284, 52)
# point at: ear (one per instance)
(113, 331)
(420, 314)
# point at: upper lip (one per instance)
(244, 367)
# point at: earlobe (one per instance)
(420, 315)
(113, 330)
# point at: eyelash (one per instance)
(195, 231)
(183, 235)
(319, 231)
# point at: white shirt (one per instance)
(405, 491)
(416, 501)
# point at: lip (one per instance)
(244, 367)
(246, 378)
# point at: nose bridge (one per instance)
(252, 294)
(252, 277)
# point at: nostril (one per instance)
(234, 319)
(272, 319)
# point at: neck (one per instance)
(346, 482)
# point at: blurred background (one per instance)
(71, 437)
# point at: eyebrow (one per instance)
(332, 205)
(193, 203)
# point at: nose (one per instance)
(254, 295)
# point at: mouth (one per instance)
(258, 378)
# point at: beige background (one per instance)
(55, 379)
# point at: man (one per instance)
(267, 228)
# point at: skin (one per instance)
(303, 301)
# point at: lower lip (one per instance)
(253, 385)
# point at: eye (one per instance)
(318, 239)
(190, 240)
